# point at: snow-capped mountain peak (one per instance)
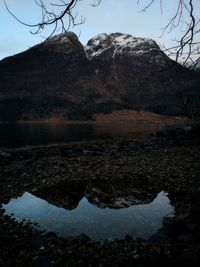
(61, 38)
(119, 43)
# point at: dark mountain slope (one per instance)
(60, 79)
(142, 75)
(51, 79)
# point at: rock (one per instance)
(191, 226)
(4, 154)
(87, 152)
(128, 238)
(83, 238)
(34, 190)
(186, 237)
(189, 258)
(168, 221)
(43, 261)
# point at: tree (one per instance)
(59, 13)
(187, 18)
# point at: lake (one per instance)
(38, 133)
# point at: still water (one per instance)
(141, 220)
(37, 133)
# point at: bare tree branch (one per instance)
(189, 43)
(62, 18)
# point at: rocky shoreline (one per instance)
(165, 162)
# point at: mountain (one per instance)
(52, 79)
(61, 79)
(137, 71)
(193, 62)
(102, 195)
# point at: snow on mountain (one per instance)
(193, 62)
(61, 38)
(119, 43)
(56, 79)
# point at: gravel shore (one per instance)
(169, 164)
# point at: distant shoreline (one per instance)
(117, 116)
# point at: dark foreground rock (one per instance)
(157, 164)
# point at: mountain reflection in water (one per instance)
(93, 214)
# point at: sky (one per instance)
(110, 16)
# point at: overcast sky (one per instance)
(110, 16)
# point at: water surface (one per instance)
(37, 133)
(141, 220)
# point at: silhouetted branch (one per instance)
(62, 18)
(184, 15)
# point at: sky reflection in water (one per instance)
(138, 220)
